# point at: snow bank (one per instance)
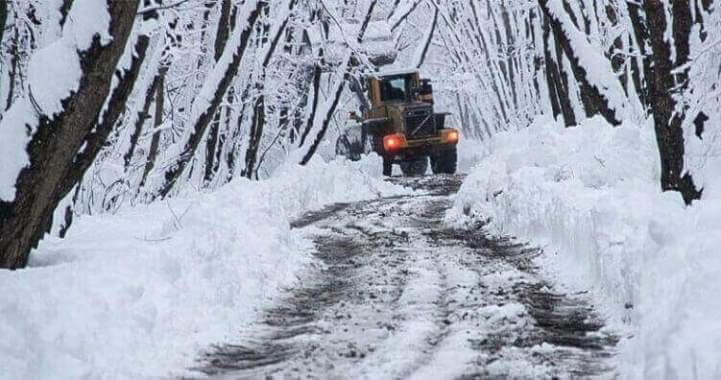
(142, 292)
(590, 197)
(470, 153)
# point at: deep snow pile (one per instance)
(141, 293)
(590, 197)
(470, 152)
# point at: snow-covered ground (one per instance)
(590, 197)
(142, 292)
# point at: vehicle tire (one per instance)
(444, 161)
(414, 168)
(387, 167)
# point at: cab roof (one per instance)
(393, 73)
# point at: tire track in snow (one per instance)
(398, 295)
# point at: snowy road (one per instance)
(401, 296)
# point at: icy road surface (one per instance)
(399, 295)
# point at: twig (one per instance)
(154, 240)
(600, 161)
(178, 224)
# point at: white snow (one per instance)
(470, 152)
(143, 292)
(13, 139)
(54, 72)
(590, 196)
(87, 19)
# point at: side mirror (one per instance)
(425, 91)
(415, 93)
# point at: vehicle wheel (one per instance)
(414, 168)
(387, 167)
(444, 161)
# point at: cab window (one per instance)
(393, 89)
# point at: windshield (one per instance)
(394, 89)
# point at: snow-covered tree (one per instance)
(205, 91)
(51, 135)
(627, 60)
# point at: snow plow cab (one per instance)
(401, 126)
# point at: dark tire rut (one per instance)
(397, 294)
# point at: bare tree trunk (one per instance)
(64, 10)
(142, 116)
(640, 32)
(235, 136)
(317, 72)
(14, 63)
(593, 101)
(58, 140)
(211, 144)
(96, 139)
(256, 130)
(558, 89)
(157, 123)
(505, 17)
(667, 81)
(221, 39)
(326, 121)
(116, 106)
(256, 133)
(68, 215)
(3, 18)
(550, 71)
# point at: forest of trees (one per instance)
(108, 103)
